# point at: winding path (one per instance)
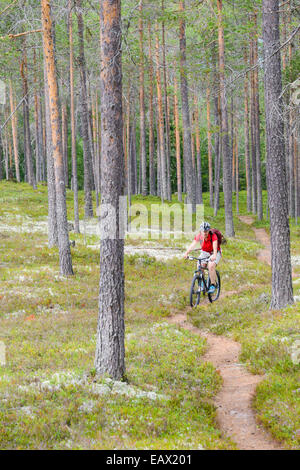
(235, 414)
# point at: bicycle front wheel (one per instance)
(213, 297)
(195, 292)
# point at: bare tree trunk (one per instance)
(232, 144)
(282, 289)
(29, 160)
(14, 131)
(110, 349)
(253, 131)
(52, 219)
(237, 176)
(227, 180)
(199, 199)
(162, 154)
(209, 148)
(84, 112)
(166, 109)
(65, 259)
(9, 146)
(187, 144)
(132, 151)
(246, 131)
(38, 153)
(217, 133)
(74, 184)
(64, 113)
(257, 127)
(177, 137)
(6, 156)
(143, 158)
(151, 118)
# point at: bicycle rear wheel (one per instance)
(213, 297)
(195, 291)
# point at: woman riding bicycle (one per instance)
(210, 252)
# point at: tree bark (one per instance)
(199, 199)
(282, 289)
(143, 157)
(187, 141)
(151, 119)
(253, 131)
(227, 179)
(84, 113)
(257, 126)
(166, 109)
(177, 137)
(209, 148)
(52, 219)
(110, 349)
(74, 184)
(246, 133)
(29, 160)
(162, 153)
(65, 259)
(14, 131)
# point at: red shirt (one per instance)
(207, 245)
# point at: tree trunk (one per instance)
(237, 176)
(199, 198)
(177, 137)
(132, 151)
(52, 219)
(217, 133)
(253, 132)
(74, 184)
(9, 155)
(64, 117)
(110, 349)
(14, 131)
(143, 157)
(257, 126)
(162, 154)
(282, 289)
(209, 148)
(227, 179)
(246, 132)
(84, 113)
(65, 259)
(151, 118)
(187, 144)
(166, 109)
(29, 160)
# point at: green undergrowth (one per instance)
(48, 394)
(49, 397)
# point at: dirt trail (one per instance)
(262, 236)
(235, 414)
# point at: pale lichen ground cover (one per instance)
(49, 395)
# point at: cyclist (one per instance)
(210, 252)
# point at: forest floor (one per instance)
(49, 396)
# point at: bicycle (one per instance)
(200, 284)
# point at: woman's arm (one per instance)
(215, 248)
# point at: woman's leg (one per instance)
(212, 272)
